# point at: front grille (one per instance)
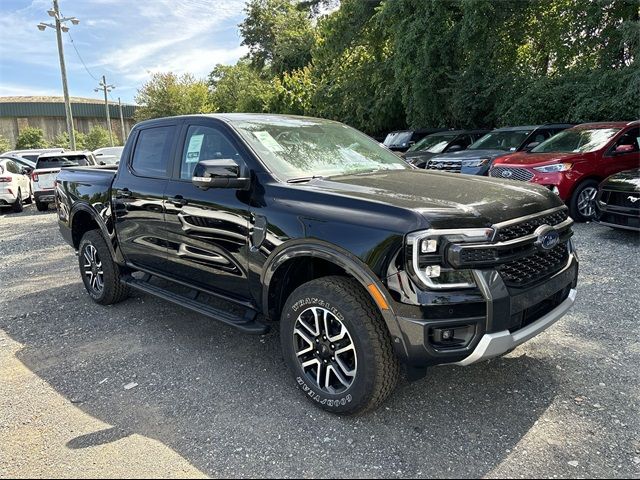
(532, 268)
(510, 173)
(621, 199)
(444, 165)
(511, 232)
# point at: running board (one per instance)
(247, 323)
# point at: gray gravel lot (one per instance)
(212, 401)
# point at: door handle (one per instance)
(124, 193)
(179, 201)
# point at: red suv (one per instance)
(573, 162)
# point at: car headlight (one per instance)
(556, 167)
(425, 253)
(476, 163)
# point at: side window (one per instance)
(632, 137)
(205, 143)
(12, 167)
(151, 152)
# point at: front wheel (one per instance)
(582, 204)
(100, 274)
(337, 345)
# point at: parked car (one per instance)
(47, 168)
(477, 159)
(33, 154)
(360, 259)
(450, 141)
(618, 200)
(22, 162)
(108, 155)
(575, 161)
(14, 185)
(401, 140)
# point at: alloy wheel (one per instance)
(325, 350)
(93, 268)
(586, 202)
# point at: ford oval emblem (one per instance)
(548, 237)
(506, 173)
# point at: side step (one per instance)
(247, 323)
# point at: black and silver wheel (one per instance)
(337, 345)
(42, 206)
(100, 274)
(17, 205)
(582, 205)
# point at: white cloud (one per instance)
(13, 90)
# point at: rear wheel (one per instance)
(337, 345)
(100, 274)
(42, 206)
(17, 205)
(29, 199)
(582, 204)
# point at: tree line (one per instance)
(381, 65)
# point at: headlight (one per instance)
(475, 163)
(425, 256)
(556, 167)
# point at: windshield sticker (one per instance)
(193, 151)
(268, 141)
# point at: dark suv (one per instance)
(449, 142)
(477, 159)
(360, 260)
(402, 140)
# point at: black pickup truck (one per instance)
(364, 262)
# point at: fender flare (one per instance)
(86, 208)
(342, 258)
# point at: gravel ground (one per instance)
(210, 401)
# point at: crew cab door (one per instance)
(137, 194)
(207, 230)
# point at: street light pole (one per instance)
(121, 121)
(60, 27)
(106, 89)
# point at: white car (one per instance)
(15, 187)
(47, 168)
(108, 155)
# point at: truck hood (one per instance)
(627, 181)
(470, 155)
(536, 159)
(444, 200)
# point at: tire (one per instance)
(29, 199)
(103, 283)
(17, 205)
(369, 368)
(42, 206)
(577, 210)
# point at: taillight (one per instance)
(34, 177)
(5, 179)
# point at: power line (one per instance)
(81, 60)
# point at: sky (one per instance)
(126, 40)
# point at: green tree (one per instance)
(62, 140)
(97, 137)
(239, 88)
(168, 94)
(4, 145)
(31, 137)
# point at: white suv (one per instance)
(14, 185)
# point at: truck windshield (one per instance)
(433, 143)
(578, 141)
(508, 140)
(59, 162)
(298, 148)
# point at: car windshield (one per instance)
(398, 138)
(508, 140)
(577, 140)
(302, 148)
(114, 151)
(59, 162)
(433, 143)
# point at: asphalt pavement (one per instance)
(147, 388)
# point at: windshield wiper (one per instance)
(303, 179)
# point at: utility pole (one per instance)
(106, 89)
(60, 27)
(121, 121)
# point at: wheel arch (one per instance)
(84, 218)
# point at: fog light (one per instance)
(432, 271)
(429, 246)
(447, 334)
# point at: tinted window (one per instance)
(205, 143)
(63, 161)
(632, 137)
(12, 167)
(151, 153)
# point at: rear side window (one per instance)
(63, 161)
(12, 167)
(152, 150)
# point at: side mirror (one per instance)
(531, 146)
(222, 173)
(454, 148)
(26, 171)
(624, 149)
